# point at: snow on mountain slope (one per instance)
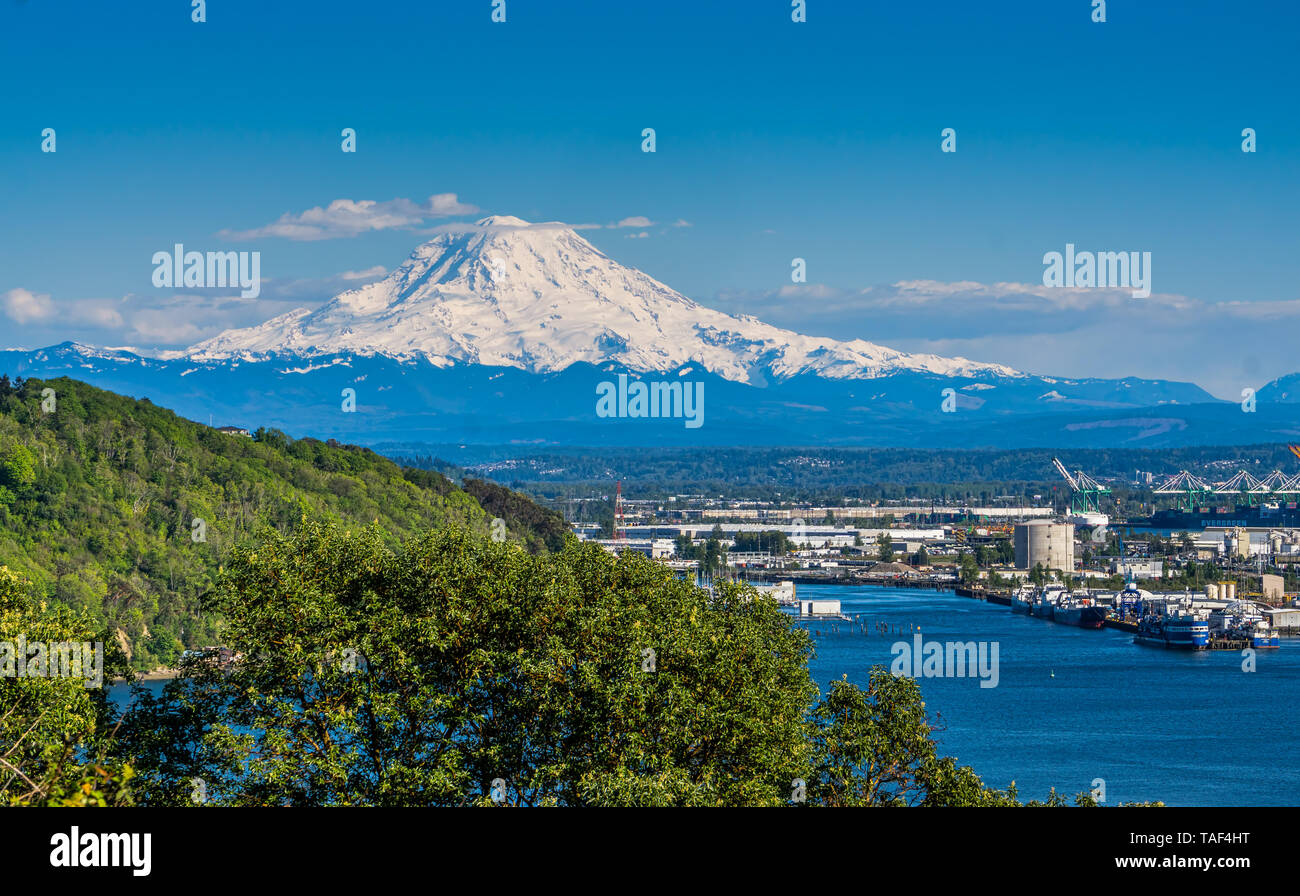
(539, 297)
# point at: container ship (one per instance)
(1247, 516)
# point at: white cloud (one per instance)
(446, 205)
(164, 328)
(24, 306)
(351, 217)
(101, 315)
(630, 221)
(967, 307)
(160, 319)
(369, 273)
(1050, 330)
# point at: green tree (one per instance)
(875, 747)
(968, 571)
(1038, 575)
(98, 501)
(55, 732)
(476, 661)
(684, 547)
(885, 547)
(17, 468)
(773, 541)
(421, 675)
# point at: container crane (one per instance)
(1085, 492)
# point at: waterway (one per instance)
(1073, 705)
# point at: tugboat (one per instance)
(1080, 611)
(1178, 628)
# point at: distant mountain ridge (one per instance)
(414, 401)
(503, 331)
(1283, 389)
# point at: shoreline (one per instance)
(154, 675)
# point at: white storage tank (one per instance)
(1045, 542)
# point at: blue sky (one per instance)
(776, 140)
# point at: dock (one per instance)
(857, 623)
(992, 597)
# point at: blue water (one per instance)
(1188, 728)
(120, 693)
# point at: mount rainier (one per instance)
(540, 298)
(501, 331)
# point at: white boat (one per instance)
(1022, 599)
(1044, 605)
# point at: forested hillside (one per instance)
(125, 510)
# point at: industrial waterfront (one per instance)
(1072, 705)
(1040, 628)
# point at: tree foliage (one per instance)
(425, 674)
(885, 548)
(55, 733)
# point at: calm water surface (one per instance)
(1188, 728)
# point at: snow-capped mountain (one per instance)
(540, 298)
(506, 332)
